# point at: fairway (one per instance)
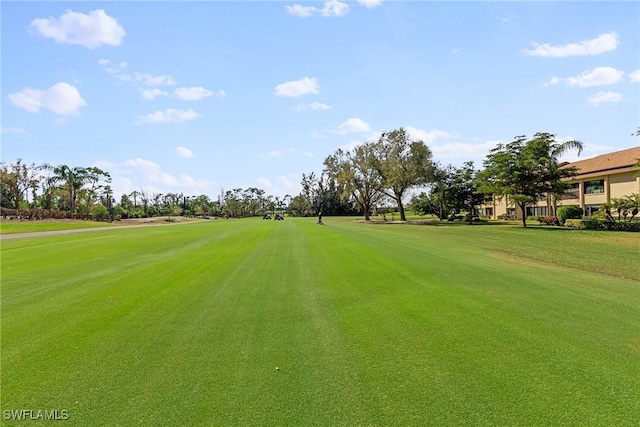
(369, 325)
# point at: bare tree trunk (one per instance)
(524, 216)
(403, 217)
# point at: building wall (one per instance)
(593, 190)
(625, 184)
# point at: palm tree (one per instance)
(634, 203)
(557, 149)
(72, 180)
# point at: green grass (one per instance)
(17, 227)
(398, 324)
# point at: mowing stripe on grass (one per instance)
(369, 325)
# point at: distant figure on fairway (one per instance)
(320, 218)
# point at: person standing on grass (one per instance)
(320, 218)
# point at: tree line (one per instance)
(381, 172)
(43, 191)
(356, 181)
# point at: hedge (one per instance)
(33, 214)
(569, 212)
(574, 223)
(594, 224)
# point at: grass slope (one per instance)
(370, 325)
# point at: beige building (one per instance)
(600, 179)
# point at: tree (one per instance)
(629, 205)
(16, 179)
(357, 175)
(72, 180)
(301, 205)
(134, 195)
(452, 191)
(93, 176)
(402, 163)
(524, 170)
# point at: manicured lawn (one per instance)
(16, 227)
(404, 325)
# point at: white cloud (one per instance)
(61, 98)
(553, 81)
(454, 51)
(427, 136)
(334, 8)
(590, 150)
(597, 77)
(634, 76)
(287, 183)
(313, 106)
(295, 88)
(149, 79)
(370, 3)
(601, 96)
(146, 79)
(603, 43)
(330, 8)
(280, 153)
(183, 152)
(170, 115)
(463, 151)
(308, 154)
(153, 93)
(316, 134)
(263, 182)
(301, 11)
(17, 131)
(111, 67)
(274, 153)
(192, 93)
(141, 174)
(91, 30)
(351, 145)
(353, 125)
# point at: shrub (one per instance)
(533, 218)
(569, 212)
(507, 217)
(548, 220)
(99, 212)
(594, 224)
(574, 223)
(601, 214)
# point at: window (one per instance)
(594, 187)
(488, 211)
(589, 210)
(511, 211)
(536, 210)
(572, 193)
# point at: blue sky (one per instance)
(194, 97)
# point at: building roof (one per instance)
(616, 160)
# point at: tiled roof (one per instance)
(615, 160)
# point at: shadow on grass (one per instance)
(549, 228)
(436, 223)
